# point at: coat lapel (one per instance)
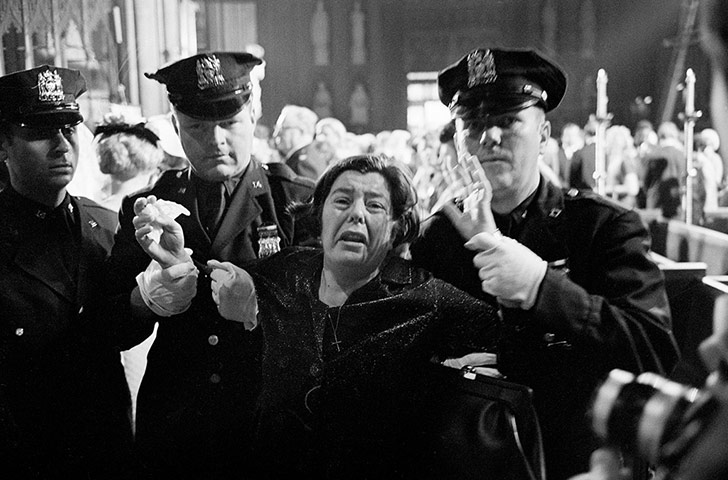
(89, 250)
(244, 207)
(544, 231)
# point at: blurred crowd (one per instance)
(645, 167)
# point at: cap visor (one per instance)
(55, 119)
(213, 109)
(495, 103)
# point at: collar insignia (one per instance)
(93, 223)
(50, 87)
(257, 184)
(481, 68)
(209, 72)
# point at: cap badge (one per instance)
(50, 87)
(481, 68)
(209, 72)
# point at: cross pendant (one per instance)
(337, 344)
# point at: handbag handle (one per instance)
(468, 372)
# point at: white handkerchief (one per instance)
(166, 207)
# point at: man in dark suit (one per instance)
(568, 269)
(195, 401)
(583, 162)
(64, 402)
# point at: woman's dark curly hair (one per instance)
(402, 192)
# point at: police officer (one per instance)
(64, 403)
(196, 397)
(569, 270)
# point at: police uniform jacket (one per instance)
(327, 412)
(194, 403)
(64, 402)
(602, 305)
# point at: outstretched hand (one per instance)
(508, 270)
(477, 216)
(158, 233)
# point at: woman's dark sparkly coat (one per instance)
(353, 413)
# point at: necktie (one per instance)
(214, 208)
(62, 223)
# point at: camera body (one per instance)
(651, 417)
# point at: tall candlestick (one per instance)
(689, 92)
(601, 94)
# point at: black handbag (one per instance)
(482, 428)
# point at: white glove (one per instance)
(168, 291)
(234, 293)
(508, 270)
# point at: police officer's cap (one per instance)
(502, 80)
(42, 97)
(209, 86)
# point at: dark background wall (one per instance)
(632, 42)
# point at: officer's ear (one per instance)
(544, 134)
(251, 110)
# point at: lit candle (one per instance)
(690, 92)
(601, 94)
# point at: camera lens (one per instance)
(650, 416)
(663, 415)
(617, 408)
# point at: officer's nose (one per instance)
(60, 142)
(491, 137)
(217, 135)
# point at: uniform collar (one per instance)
(28, 207)
(252, 177)
(510, 222)
(546, 201)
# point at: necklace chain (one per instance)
(335, 328)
